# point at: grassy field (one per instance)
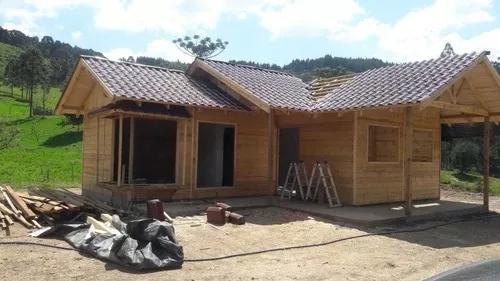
(469, 182)
(44, 153)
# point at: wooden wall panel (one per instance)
(425, 175)
(326, 137)
(97, 139)
(383, 182)
(251, 155)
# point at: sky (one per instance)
(272, 31)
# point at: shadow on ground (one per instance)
(63, 139)
(468, 233)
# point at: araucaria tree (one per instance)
(29, 70)
(200, 47)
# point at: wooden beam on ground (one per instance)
(486, 163)
(408, 151)
(458, 107)
(19, 202)
(120, 148)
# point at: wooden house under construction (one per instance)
(226, 130)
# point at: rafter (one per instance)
(459, 108)
(475, 94)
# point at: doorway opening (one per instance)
(288, 151)
(216, 144)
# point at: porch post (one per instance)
(120, 148)
(270, 148)
(486, 162)
(131, 150)
(408, 151)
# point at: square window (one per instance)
(383, 144)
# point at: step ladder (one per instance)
(322, 180)
(296, 178)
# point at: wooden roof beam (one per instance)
(246, 94)
(459, 108)
(475, 93)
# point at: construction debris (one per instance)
(221, 213)
(45, 207)
(216, 215)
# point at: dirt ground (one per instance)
(408, 256)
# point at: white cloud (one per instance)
(171, 17)
(76, 35)
(423, 33)
(24, 15)
(303, 17)
(157, 48)
(420, 33)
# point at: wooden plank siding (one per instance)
(382, 182)
(97, 145)
(251, 155)
(326, 137)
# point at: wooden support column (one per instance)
(486, 163)
(131, 151)
(120, 148)
(192, 176)
(97, 151)
(270, 150)
(184, 154)
(408, 151)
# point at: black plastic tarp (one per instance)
(141, 244)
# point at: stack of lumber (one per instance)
(45, 206)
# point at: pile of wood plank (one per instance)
(45, 206)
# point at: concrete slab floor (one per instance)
(364, 215)
(385, 213)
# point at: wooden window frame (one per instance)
(398, 134)
(177, 154)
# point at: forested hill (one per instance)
(61, 56)
(327, 66)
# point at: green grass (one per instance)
(50, 103)
(44, 154)
(7, 52)
(469, 182)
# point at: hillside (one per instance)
(7, 52)
(323, 67)
(43, 153)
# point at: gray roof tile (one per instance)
(278, 89)
(156, 84)
(397, 84)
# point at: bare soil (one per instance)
(408, 256)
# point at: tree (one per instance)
(465, 156)
(34, 70)
(447, 51)
(200, 47)
(11, 75)
(129, 59)
(72, 120)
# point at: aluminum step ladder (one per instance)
(322, 179)
(296, 178)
